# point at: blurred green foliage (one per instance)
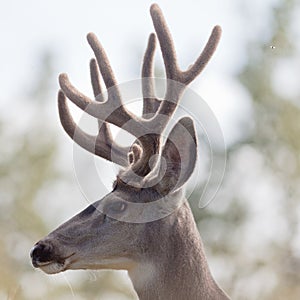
(253, 234)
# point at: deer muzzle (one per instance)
(44, 256)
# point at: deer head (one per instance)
(116, 232)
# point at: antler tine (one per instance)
(84, 102)
(89, 142)
(103, 62)
(96, 85)
(169, 54)
(109, 79)
(81, 100)
(165, 41)
(95, 80)
(78, 98)
(177, 79)
(112, 110)
(150, 103)
(173, 90)
(204, 57)
(104, 131)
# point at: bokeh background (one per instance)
(251, 230)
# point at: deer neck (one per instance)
(178, 268)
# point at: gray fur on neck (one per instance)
(178, 268)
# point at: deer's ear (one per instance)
(178, 157)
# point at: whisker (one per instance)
(69, 285)
(93, 275)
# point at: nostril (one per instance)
(40, 253)
(37, 250)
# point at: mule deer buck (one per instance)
(160, 246)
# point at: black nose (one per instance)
(40, 253)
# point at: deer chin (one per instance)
(120, 263)
(54, 267)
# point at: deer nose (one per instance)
(40, 253)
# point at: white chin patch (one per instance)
(52, 268)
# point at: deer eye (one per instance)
(118, 207)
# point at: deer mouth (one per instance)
(53, 267)
(43, 258)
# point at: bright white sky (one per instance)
(30, 27)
